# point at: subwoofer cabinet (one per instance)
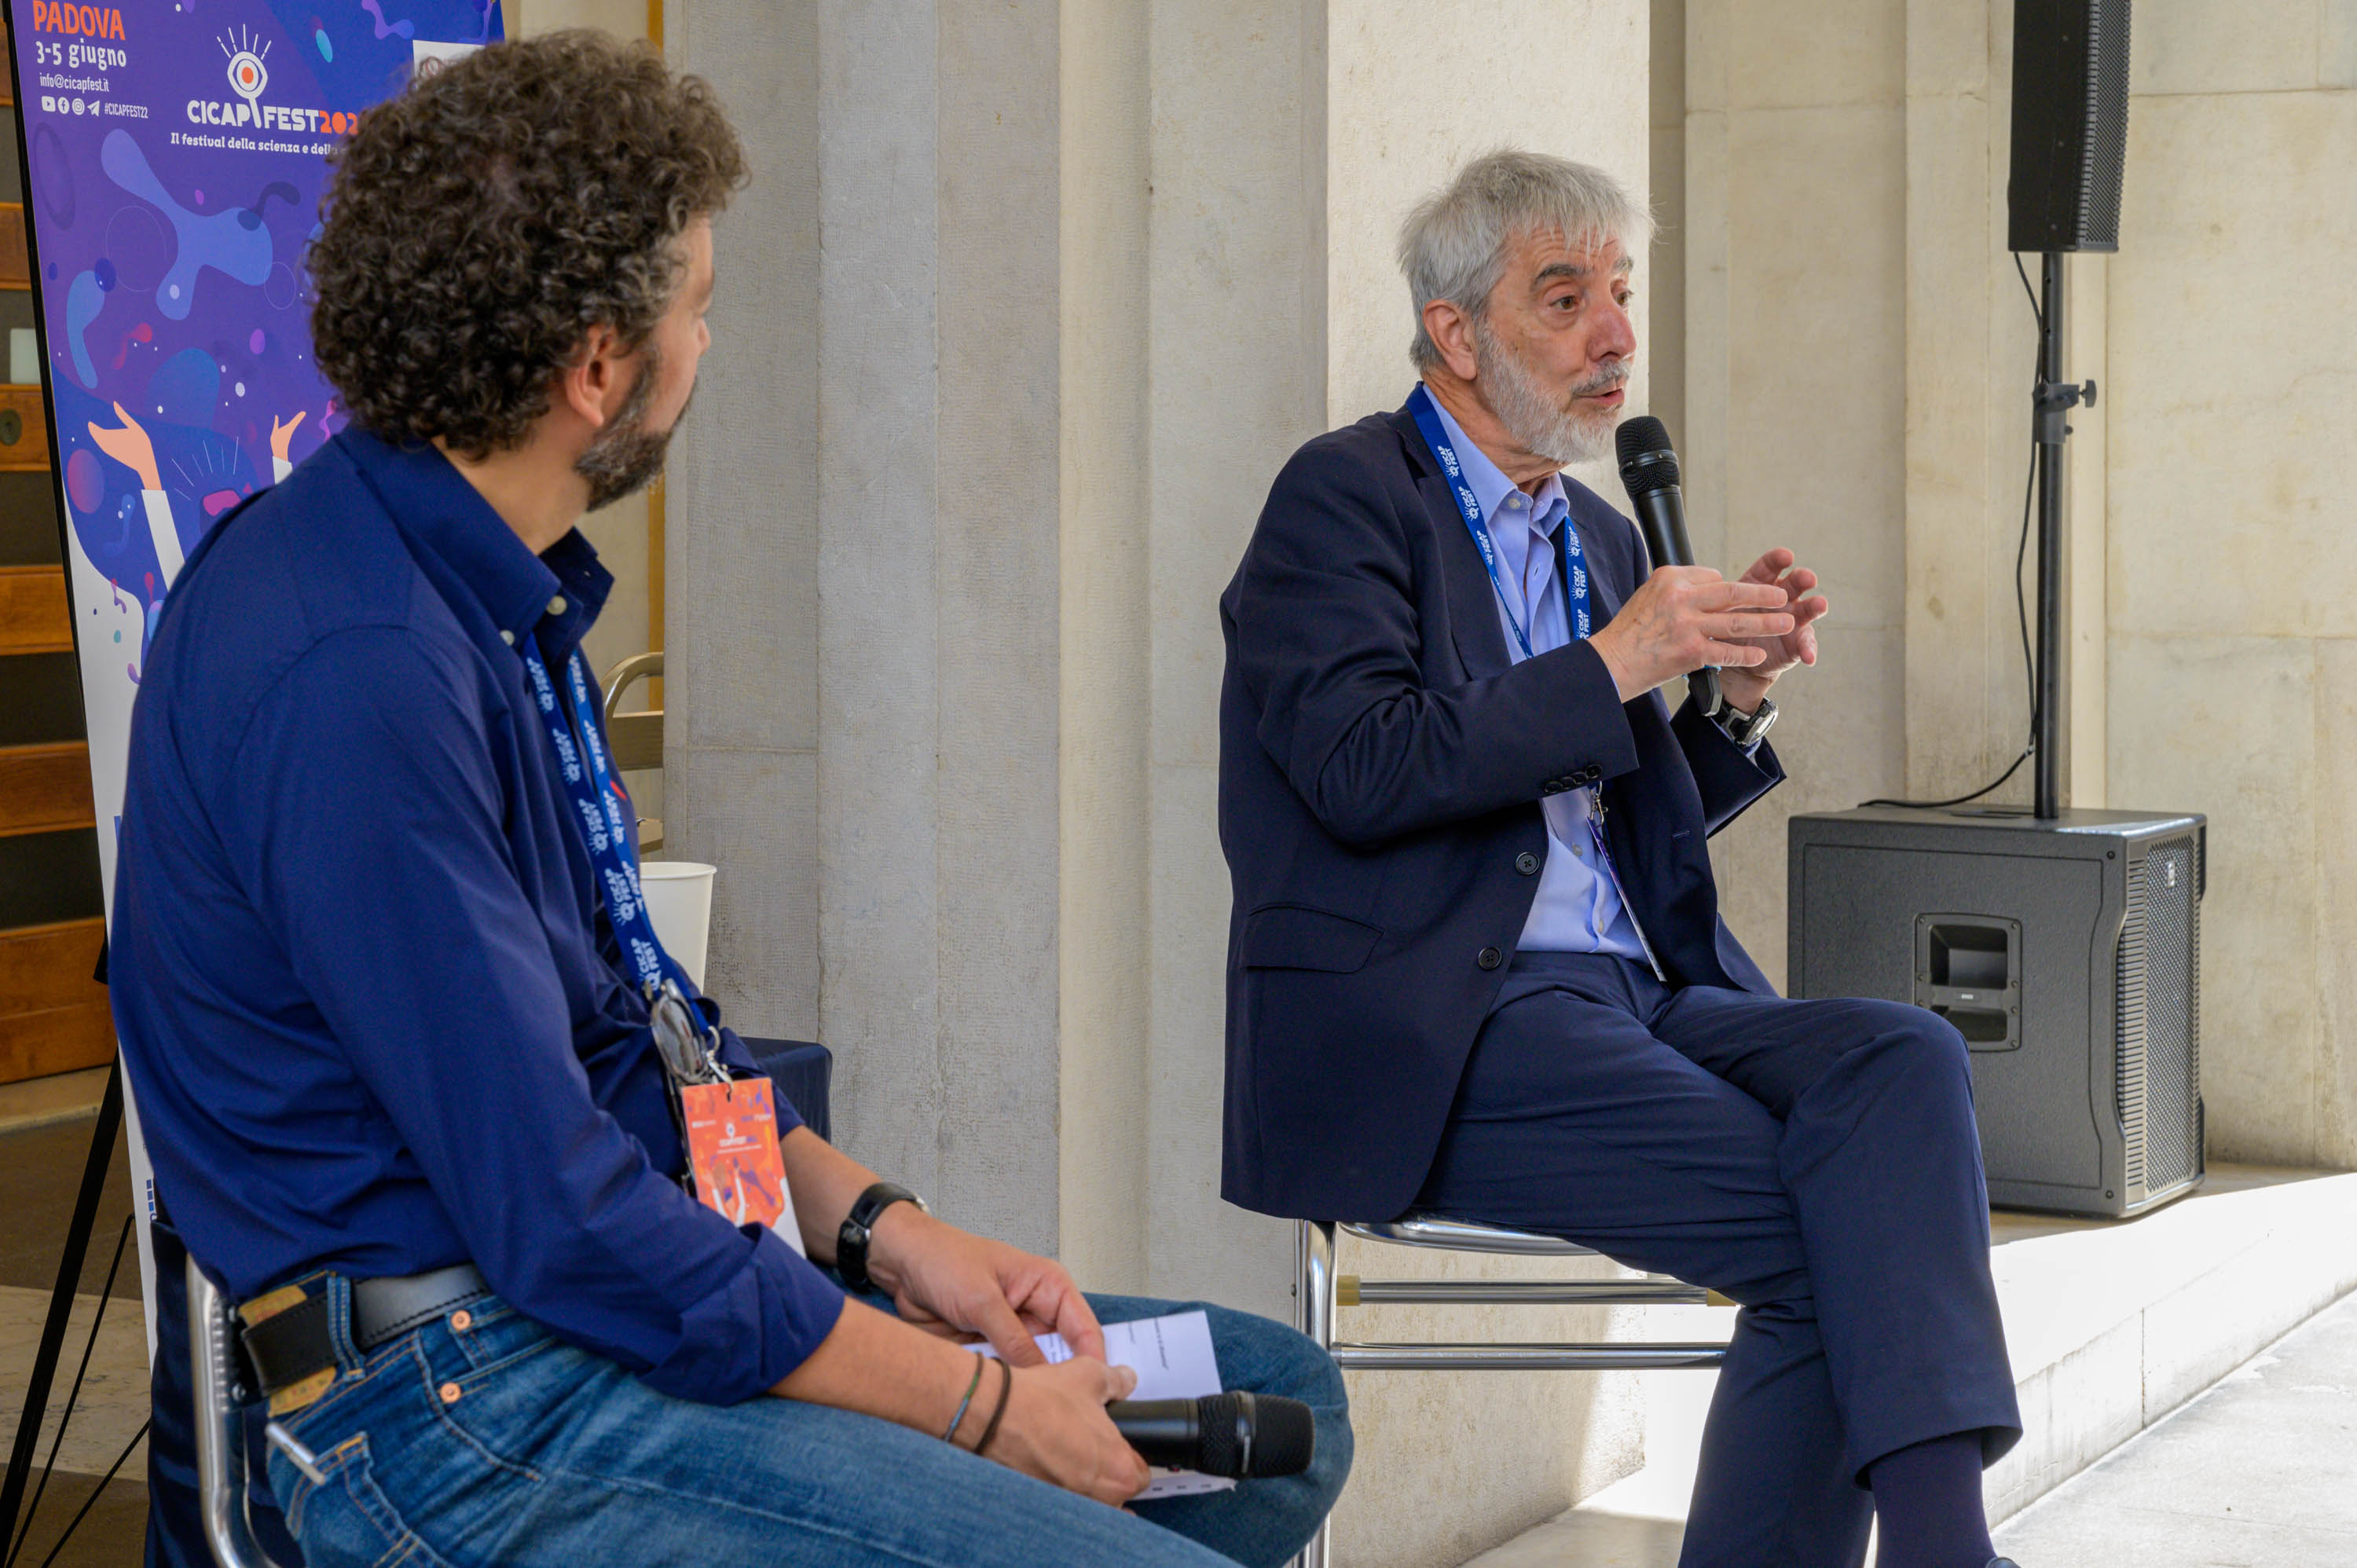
(2067, 953)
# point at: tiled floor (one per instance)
(40, 1173)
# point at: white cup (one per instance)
(679, 902)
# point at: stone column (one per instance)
(865, 606)
(1796, 383)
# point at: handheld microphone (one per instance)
(1648, 469)
(1233, 1434)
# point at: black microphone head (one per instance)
(1285, 1436)
(1255, 1436)
(1648, 461)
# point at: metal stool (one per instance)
(1322, 1291)
(220, 1427)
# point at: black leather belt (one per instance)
(290, 1338)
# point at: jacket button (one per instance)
(1527, 864)
(1490, 958)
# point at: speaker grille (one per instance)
(2159, 1081)
(2070, 124)
(2107, 125)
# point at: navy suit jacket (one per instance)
(1381, 766)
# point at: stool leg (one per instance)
(1314, 1312)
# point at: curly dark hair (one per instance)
(479, 225)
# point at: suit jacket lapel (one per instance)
(1473, 623)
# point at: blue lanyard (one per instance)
(1574, 565)
(1575, 581)
(602, 807)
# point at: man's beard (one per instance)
(626, 456)
(1560, 432)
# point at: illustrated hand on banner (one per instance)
(282, 439)
(130, 447)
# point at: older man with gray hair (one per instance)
(1476, 963)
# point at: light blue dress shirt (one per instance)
(1577, 907)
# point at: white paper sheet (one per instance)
(1173, 1359)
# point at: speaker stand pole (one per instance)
(2051, 403)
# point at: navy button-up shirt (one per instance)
(367, 998)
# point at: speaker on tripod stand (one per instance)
(2064, 945)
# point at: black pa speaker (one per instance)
(2067, 953)
(2070, 124)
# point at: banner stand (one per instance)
(172, 161)
(61, 1298)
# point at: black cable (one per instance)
(66, 1415)
(2020, 605)
(94, 1491)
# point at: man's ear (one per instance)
(596, 383)
(1451, 331)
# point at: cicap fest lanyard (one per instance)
(1575, 589)
(1468, 506)
(728, 1124)
(603, 807)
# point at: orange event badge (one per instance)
(732, 1148)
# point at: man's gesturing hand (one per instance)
(1744, 688)
(1684, 617)
(953, 1283)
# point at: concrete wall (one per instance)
(2233, 387)
(1796, 388)
(1859, 347)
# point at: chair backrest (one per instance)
(220, 1427)
(635, 739)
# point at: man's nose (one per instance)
(1616, 335)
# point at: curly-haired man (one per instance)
(420, 1081)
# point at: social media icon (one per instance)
(49, 105)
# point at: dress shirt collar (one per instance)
(1510, 527)
(1490, 486)
(557, 592)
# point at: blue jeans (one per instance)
(501, 1444)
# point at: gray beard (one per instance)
(1555, 431)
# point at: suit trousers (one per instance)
(1815, 1160)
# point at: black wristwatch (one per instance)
(1746, 730)
(859, 1229)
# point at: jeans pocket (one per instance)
(348, 1523)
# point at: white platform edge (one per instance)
(2110, 1326)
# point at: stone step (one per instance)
(2111, 1326)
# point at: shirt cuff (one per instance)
(747, 1335)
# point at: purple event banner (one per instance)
(175, 155)
(175, 151)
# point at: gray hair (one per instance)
(1453, 246)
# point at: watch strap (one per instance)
(1746, 730)
(859, 1229)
